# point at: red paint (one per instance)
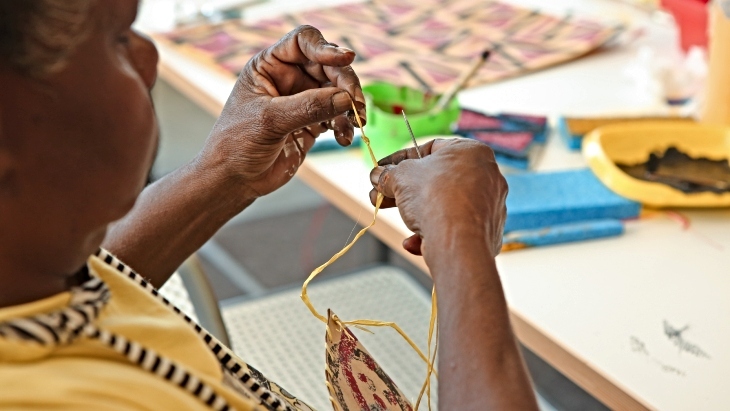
(345, 350)
(380, 402)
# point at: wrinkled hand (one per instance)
(456, 187)
(284, 98)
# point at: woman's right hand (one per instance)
(456, 188)
(453, 200)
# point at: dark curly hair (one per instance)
(36, 36)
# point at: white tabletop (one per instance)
(596, 309)
(598, 300)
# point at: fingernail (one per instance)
(360, 98)
(344, 139)
(345, 50)
(341, 102)
(375, 175)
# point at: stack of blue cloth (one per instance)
(558, 207)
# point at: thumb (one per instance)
(383, 179)
(308, 107)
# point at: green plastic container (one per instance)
(388, 132)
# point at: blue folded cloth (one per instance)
(564, 233)
(539, 200)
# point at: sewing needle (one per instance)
(413, 137)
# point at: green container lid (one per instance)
(385, 126)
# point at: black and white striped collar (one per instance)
(62, 326)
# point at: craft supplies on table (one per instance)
(386, 128)
(461, 82)
(541, 200)
(573, 129)
(682, 171)
(630, 144)
(511, 136)
(423, 44)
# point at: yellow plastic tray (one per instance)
(629, 143)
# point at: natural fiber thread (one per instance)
(431, 355)
(361, 324)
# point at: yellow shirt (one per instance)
(87, 375)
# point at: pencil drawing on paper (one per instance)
(639, 347)
(675, 336)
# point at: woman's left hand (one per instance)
(284, 98)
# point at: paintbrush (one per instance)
(461, 82)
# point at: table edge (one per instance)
(580, 372)
(605, 389)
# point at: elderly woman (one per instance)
(79, 329)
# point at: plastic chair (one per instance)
(278, 335)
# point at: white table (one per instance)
(585, 307)
(594, 310)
